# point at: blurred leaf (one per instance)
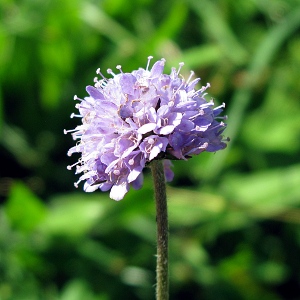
(202, 56)
(138, 216)
(115, 7)
(273, 129)
(105, 257)
(1, 113)
(263, 56)
(51, 86)
(272, 272)
(267, 193)
(6, 50)
(216, 25)
(191, 249)
(237, 270)
(55, 70)
(135, 276)
(172, 23)
(98, 19)
(275, 126)
(24, 209)
(22, 19)
(78, 290)
(75, 214)
(188, 207)
(15, 141)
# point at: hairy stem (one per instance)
(162, 278)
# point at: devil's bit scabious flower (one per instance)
(133, 118)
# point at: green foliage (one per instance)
(23, 208)
(234, 215)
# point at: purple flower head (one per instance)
(133, 118)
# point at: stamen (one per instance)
(178, 89)
(101, 83)
(203, 88)
(71, 166)
(148, 148)
(76, 183)
(221, 124)
(109, 71)
(220, 106)
(190, 77)
(71, 130)
(74, 115)
(148, 63)
(76, 98)
(119, 67)
(131, 162)
(221, 118)
(98, 71)
(180, 66)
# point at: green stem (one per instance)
(162, 278)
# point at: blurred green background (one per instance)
(234, 215)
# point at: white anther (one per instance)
(148, 63)
(119, 67)
(116, 172)
(205, 145)
(180, 66)
(71, 166)
(109, 71)
(151, 141)
(204, 88)
(171, 103)
(67, 131)
(74, 115)
(98, 71)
